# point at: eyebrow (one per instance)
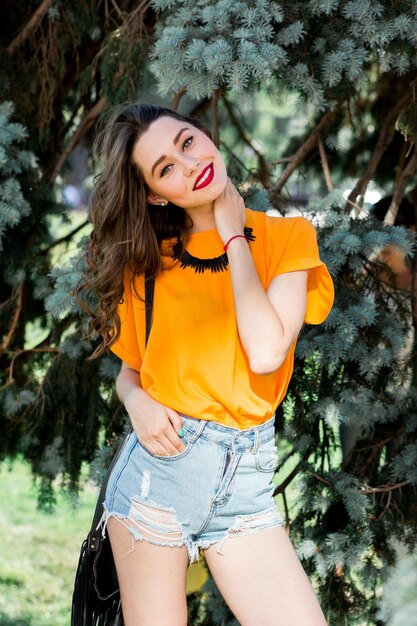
(176, 140)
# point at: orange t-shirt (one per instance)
(194, 361)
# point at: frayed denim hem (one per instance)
(159, 525)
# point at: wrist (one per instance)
(233, 238)
(133, 397)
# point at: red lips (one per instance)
(208, 179)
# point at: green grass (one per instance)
(39, 552)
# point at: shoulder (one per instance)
(273, 227)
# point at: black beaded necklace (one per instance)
(216, 264)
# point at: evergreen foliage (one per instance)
(350, 416)
(399, 602)
(13, 160)
(357, 369)
(238, 45)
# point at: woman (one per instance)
(232, 290)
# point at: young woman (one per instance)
(232, 290)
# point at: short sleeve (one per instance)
(297, 249)
(126, 346)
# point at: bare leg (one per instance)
(262, 580)
(151, 577)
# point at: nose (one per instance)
(190, 164)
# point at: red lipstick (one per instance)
(207, 181)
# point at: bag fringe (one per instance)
(87, 609)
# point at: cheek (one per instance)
(176, 184)
(222, 168)
(221, 165)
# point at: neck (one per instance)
(203, 218)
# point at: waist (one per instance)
(235, 438)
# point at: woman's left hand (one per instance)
(229, 212)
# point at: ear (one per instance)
(154, 199)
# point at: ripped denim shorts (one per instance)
(220, 486)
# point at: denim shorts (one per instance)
(220, 486)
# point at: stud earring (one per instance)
(162, 203)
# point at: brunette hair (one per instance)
(127, 230)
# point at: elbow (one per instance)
(266, 364)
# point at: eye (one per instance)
(185, 145)
(165, 170)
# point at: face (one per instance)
(172, 155)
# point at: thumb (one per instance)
(175, 419)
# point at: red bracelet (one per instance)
(231, 239)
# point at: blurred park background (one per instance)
(313, 106)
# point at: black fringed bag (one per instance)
(96, 595)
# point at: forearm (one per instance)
(260, 329)
(127, 382)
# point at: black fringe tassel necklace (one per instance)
(216, 264)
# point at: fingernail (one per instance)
(181, 432)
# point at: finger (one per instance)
(164, 447)
(173, 442)
(153, 447)
(170, 447)
(175, 419)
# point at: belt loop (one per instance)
(201, 427)
(256, 442)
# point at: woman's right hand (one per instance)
(156, 426)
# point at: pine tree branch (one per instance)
(386, 507)
(364, 490)
(176, 101)
(82, 129)
(263, 171)
(117, 9)
(17, 354)
(200, 108)
(298, 157)
(29, 27)
(325, 164)
(405, 178)
(387, 288)
(215, 118)
(280, 488)
(234, 156)
(320, 478)
(385, 137)
(384, 488)
(15, 319)
(65, 238)
(382, 442)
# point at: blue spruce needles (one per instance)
(13, 160)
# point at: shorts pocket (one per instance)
(266, 457)
(190, 437)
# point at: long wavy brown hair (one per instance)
(127, 230)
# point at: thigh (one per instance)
(262, 580)
(152, 579)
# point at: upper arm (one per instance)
(127, 377)
(131, 313)
(288, 295)
(293, 249)
(127, 366)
